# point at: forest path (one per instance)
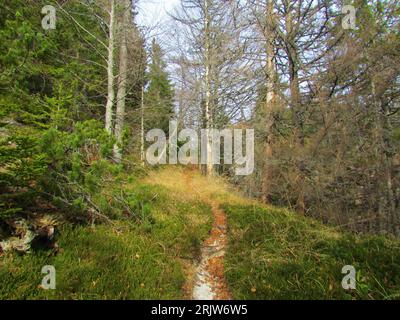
(205, 278)
(209, 279)
(210, 283)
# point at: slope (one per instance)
(263, 252)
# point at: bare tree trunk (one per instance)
(379, 150)
(142, 129)
(294, 90)
(208, 102)
(386, 202)
(110, 70)
(294, 86)
(269, 35)
(122, 79)
(293, 60)
(392, 215)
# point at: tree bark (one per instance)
(295, 102)
(122, 79)
(142, 157)
(270, 71)
(208, 102)
(110, 70)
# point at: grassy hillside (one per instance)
(121, 260)
(272, 253)
(276, 254)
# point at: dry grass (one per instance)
(190, 184)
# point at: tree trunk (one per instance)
(294, 85)
(142, 157)
(295, 103)
(269, 35)
(208, 102)
(110, 70)
(122, 79)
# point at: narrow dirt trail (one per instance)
(205, 279)
(209, 282)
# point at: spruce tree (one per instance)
(159, 101)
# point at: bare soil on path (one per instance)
(209, 282)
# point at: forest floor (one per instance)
(198, 238)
